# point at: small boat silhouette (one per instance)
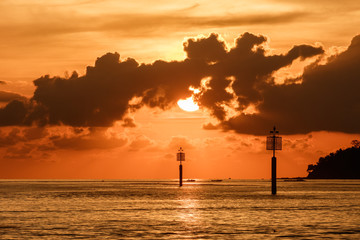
(294, 180)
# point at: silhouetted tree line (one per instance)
(343, 164)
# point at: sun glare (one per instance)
(188, 105)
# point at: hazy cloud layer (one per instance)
(231, 81)
(135, 24)
(41, 142)
(9, 96)
(140, 142)
(182, 141)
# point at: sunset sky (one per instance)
(89, 88)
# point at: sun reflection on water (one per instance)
(189, 215)
(188, 210)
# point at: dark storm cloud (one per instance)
(13, 113)
(328, 99)
(237, 78)
(15, 110)
(102, 95)
(248, 66)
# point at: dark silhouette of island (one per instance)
(343, 164)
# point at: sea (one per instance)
(160, 209)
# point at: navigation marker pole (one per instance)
(180, 156)
(273, 143)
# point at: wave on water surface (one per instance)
(160, 209)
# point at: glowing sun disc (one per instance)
(188, 105)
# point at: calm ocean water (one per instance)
(232, 209)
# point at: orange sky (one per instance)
(86, 128)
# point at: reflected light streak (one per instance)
(188, 211)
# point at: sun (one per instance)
(188, 105)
